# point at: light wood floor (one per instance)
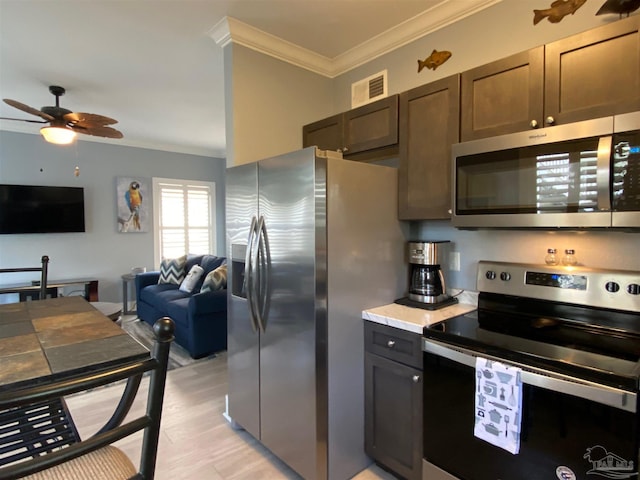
(196, 442)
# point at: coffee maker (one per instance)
(426, 280)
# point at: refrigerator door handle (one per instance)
(257, 280)
(250, 273)
(256, 274)
(265, 273)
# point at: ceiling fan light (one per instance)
(58, 135)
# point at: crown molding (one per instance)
(230, 30)
(429, 21)
(221, 32)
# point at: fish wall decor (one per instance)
(619, 7)
(434, 60)
(558, 10)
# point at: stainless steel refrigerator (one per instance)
(313, 240)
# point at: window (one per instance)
(184, 217)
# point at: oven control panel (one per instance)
(615, 289)
(556, 280)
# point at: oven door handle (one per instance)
(538, 377)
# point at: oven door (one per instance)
(570, 429)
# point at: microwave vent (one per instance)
(369, 89)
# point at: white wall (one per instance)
(101, 252)
(267, 103)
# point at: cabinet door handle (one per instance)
(391, 343)
(416, 378)
(550, 120)
(533, 124)
(345, 149)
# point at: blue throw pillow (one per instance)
(172, 270)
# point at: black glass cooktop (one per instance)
(592, 344)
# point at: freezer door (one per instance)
(293, 220)
(243, 340)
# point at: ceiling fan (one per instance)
(63, 123)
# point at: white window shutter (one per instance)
(185, 217)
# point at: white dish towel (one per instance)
(498, 400)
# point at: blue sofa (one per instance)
(200, 318)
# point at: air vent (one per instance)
(369, 89)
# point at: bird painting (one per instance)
(558, 10)
(133, 198)
(619, 6)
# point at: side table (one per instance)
(127, 278)
(108, 309)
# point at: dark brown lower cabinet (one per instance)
(393, 408)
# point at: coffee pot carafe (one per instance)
(426, 281)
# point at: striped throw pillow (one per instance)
(215, 280)
(172, 270)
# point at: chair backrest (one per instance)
(44, 271)
(114, 429)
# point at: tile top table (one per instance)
(58, 337)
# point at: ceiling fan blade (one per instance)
(27, 109)
(98, 131)
(88, 120)
(24, 120)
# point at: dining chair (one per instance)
(44, 271)
(96, 457)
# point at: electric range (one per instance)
(573, 333)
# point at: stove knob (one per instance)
(491, 275)
(633, 289)
(505, 276)
(612, 287)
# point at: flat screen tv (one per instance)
(41, 209)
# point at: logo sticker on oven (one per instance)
(565, 473)
(608, 464)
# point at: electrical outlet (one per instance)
(454, 261)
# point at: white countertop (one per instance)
(415, 319)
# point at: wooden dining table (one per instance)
(53, 339)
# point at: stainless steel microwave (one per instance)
(579, 175)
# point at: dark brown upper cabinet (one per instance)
(369, 132)
(326, 134)
(429, 125)
(504, 96)
(592, 74)
(595, 73)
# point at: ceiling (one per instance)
(157, 66)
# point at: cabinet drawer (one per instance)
(393, 343)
